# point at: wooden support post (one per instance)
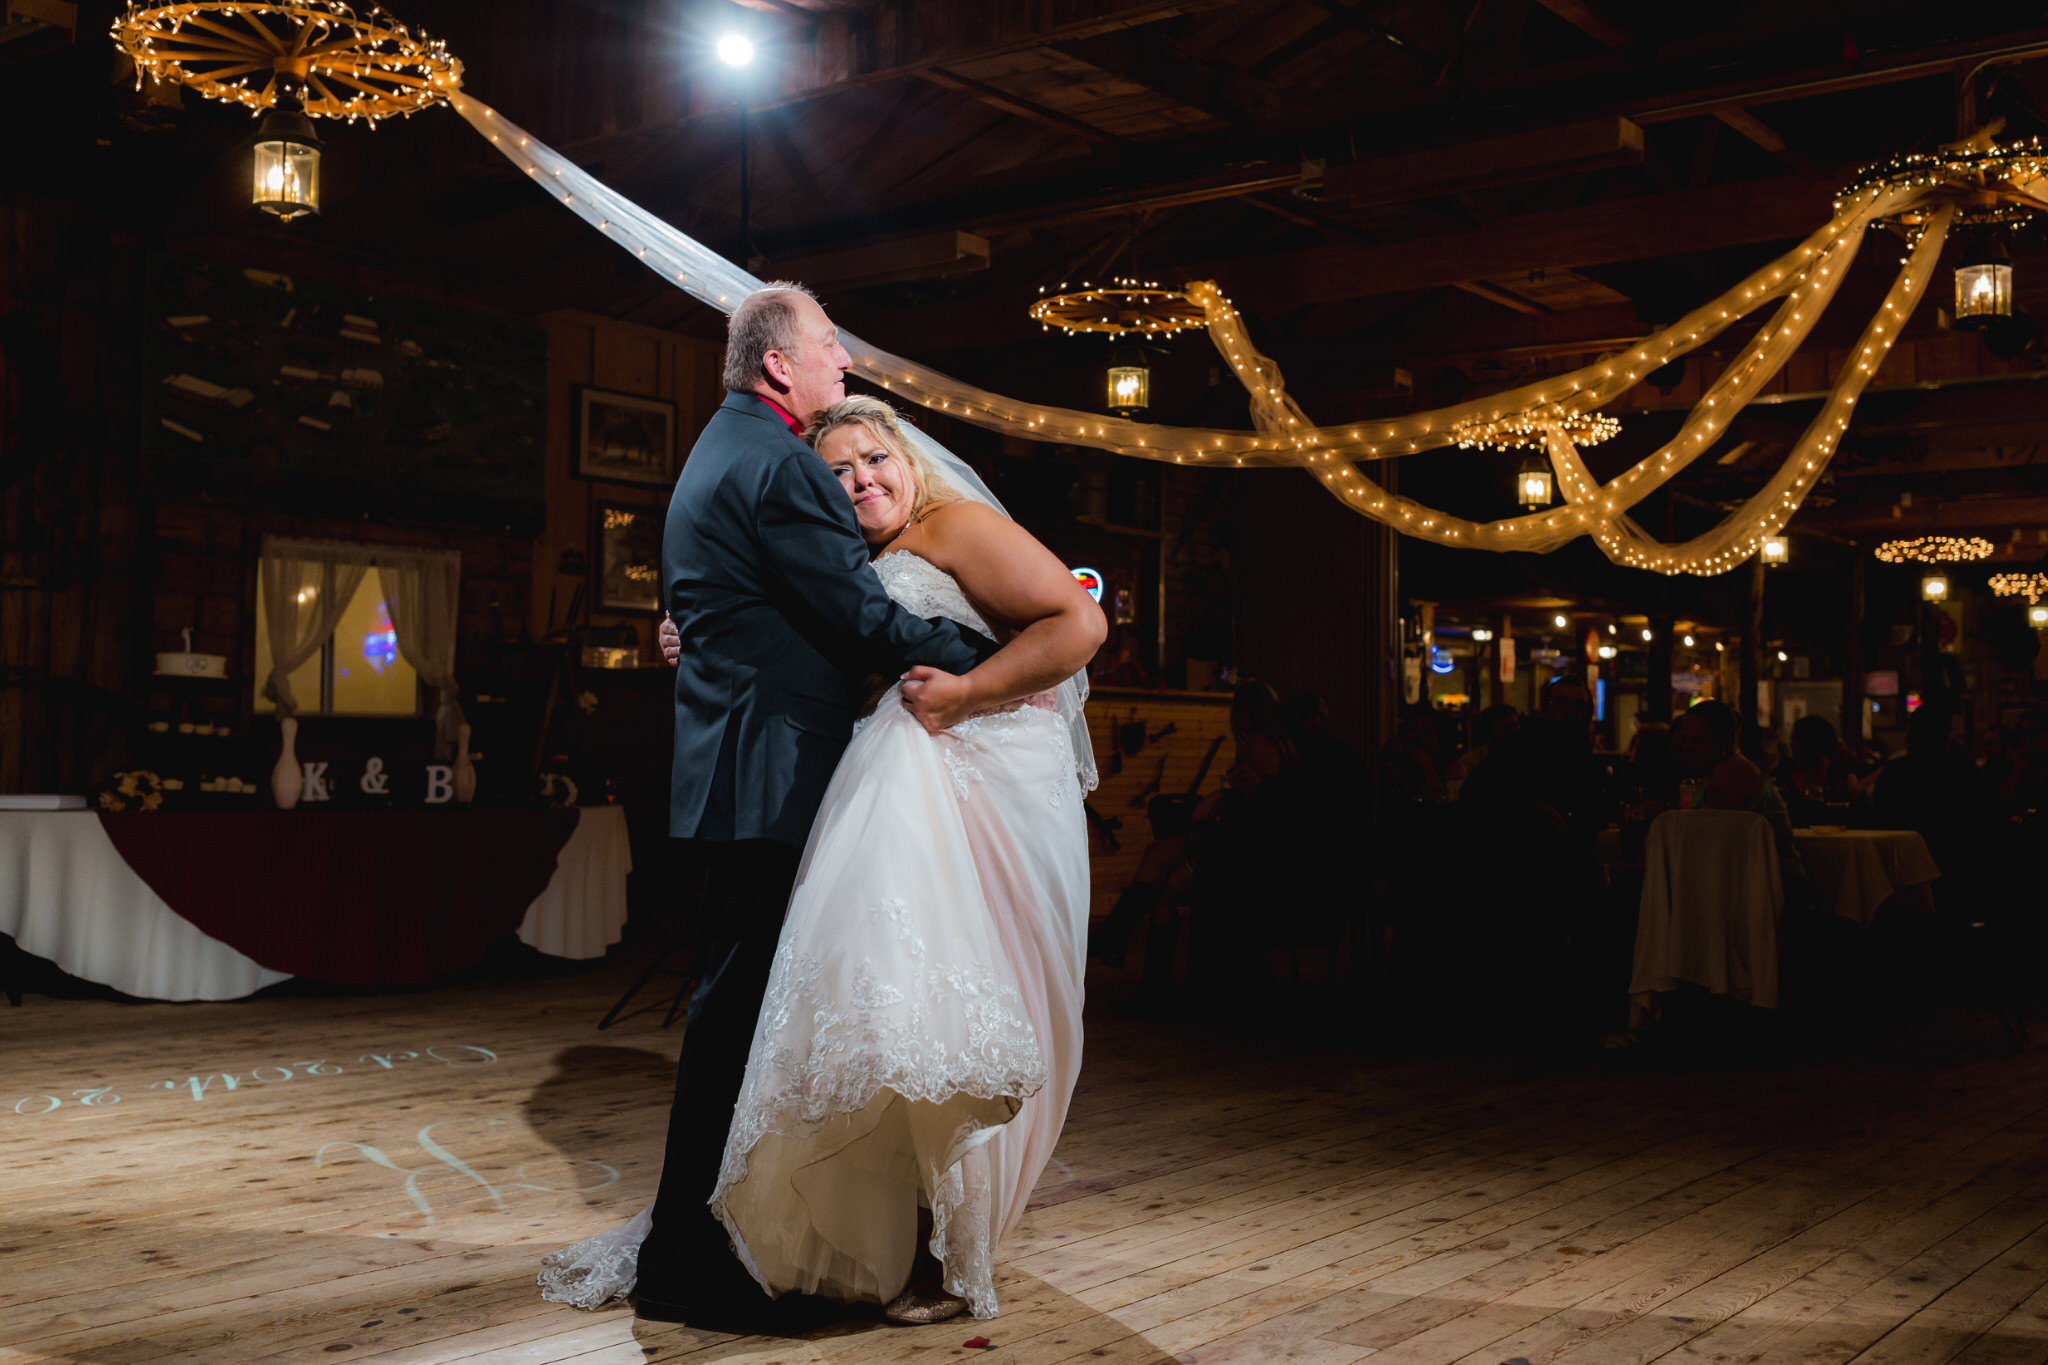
(1752, 652)
(1855, 709)
(1657, 686)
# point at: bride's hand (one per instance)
(938, 699)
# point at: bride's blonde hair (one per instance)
(930, 490)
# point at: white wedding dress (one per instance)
(921, 1032)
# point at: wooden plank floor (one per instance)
(374, 1178)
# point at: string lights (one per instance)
(2032, 586)
(1933, 550)
(351, 66)
(1993, 166)
(1123, 307)
(1799, 285)
(1531, 429)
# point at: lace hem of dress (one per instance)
(597, 1270)
(848, 1058)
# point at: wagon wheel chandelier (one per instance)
(2032, 586)
(1997, 184)
(1531, 430)
(318, 53)
(1123, 307)
(1934, 550)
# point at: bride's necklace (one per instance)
(890, 543)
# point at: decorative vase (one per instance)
(286, 781)
(465, 771)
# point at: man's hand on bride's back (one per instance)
(671, 642)
(939, 700)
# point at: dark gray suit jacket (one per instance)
(765, 574)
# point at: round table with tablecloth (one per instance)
(215, 906)
(1854, 871)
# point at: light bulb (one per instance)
(1646, 635)
(1688, 642)
(1560, 620)
(735, 50)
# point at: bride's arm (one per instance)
(1016, 582)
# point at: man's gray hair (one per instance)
(765, 321)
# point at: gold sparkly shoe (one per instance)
(913, 1309)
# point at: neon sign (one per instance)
(1090, 580)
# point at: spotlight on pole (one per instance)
(735, 50)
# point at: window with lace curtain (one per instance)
(357, 671)
(373, 625)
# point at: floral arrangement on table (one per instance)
(137, 790)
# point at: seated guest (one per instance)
(1409, 767)
(1933, 785)
(1306, 711)
(1339, 781)
(1935, 789)
(1704, 746)
(1817, 774)
(1254, 851)
(2023, 784)
(1536, 805)
(1550, 763)
(1490, 727)
(1650, 778)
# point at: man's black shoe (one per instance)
(748, 1315)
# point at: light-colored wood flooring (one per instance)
(374, 1178)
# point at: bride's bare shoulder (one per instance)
(961, 525)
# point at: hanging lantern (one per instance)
(1532, 483)
(1776, 550)
(1983, 285)
(1934, 587)
(287, 162)
(1130, 382)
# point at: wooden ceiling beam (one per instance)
(1016, 104)
(1988, 512)
(1114, 204)
(924, 256)
(1186, 77)
(1592, 23)
(1540, 154)
(1766, 137)
(1645, 228)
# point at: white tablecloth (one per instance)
(66, 895)
(1710, 906)
(1856, 870)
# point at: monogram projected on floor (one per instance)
(442, 1160)
(203, 1085)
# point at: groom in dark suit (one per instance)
(765, 575)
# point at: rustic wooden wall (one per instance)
(584, 348)
(95, 577)
(71, 522)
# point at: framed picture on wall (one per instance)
(624, 438)
(628, 559)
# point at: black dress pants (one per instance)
(687, 1256)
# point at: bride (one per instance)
(921, 1034)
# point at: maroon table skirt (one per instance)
(359, 898)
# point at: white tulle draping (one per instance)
(1802, 283)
